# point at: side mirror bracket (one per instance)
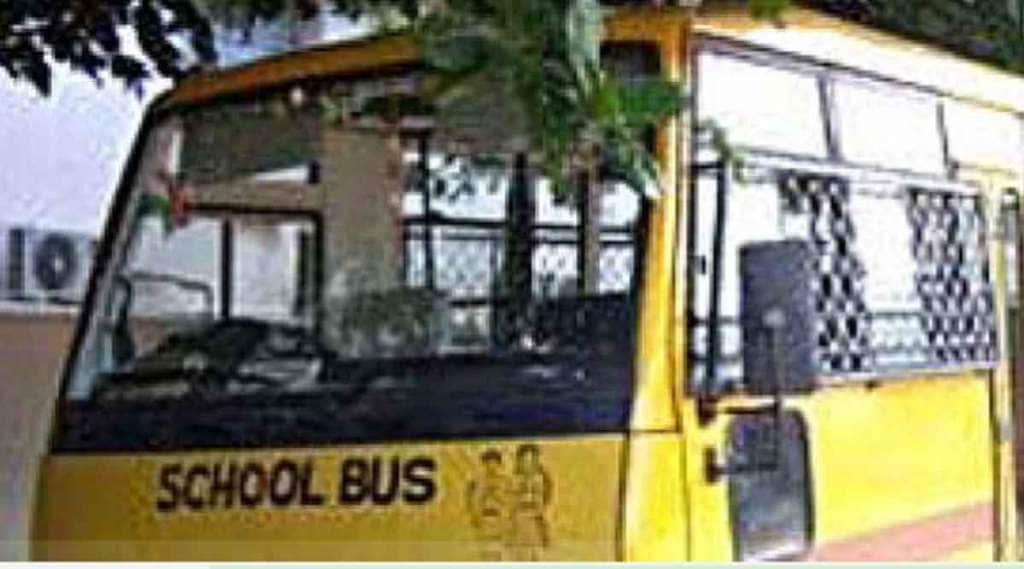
(777, 321)
(774, 321)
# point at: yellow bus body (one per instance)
(915, 469)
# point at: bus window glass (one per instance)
(752, 212)
(887, 127)
(258, 245)
(785, 116)
(897, 339)
(463, 249)
(983, 137)
(176, 273)
(377, 284)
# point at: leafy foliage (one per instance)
(546, 54)
(541, 58)
(87, 35)
(174, 36)
(542, 55)
(767, 9)
(991, 30)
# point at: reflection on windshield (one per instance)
(269, 253)
(161, 263)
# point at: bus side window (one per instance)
(900, 281)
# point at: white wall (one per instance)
(32, 346)
(60, 158)
(61, 155)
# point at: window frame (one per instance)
(954, 164)
(854, 177)
(728, 50)
(112, 248)
(828, 73)
(859, 81)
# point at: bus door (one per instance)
(842, 340)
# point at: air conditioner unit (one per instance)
(47, 265)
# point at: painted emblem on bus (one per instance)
(508, 505)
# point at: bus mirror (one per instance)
(777, 317)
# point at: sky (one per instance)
(61, 157)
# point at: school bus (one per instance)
(315, 334)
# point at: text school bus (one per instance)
(359, 343)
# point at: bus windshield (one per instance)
(284, 275)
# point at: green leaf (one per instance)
(543, 57)
(156, 205)
(768, 9)
(647, 102)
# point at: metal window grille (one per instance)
(943, 315)
(843, 331)
(523, 298)
(953, 277)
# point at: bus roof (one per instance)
(345, 58)
(816, 34)
(819, 34)
(355, 57)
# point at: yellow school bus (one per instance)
(315, 334)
